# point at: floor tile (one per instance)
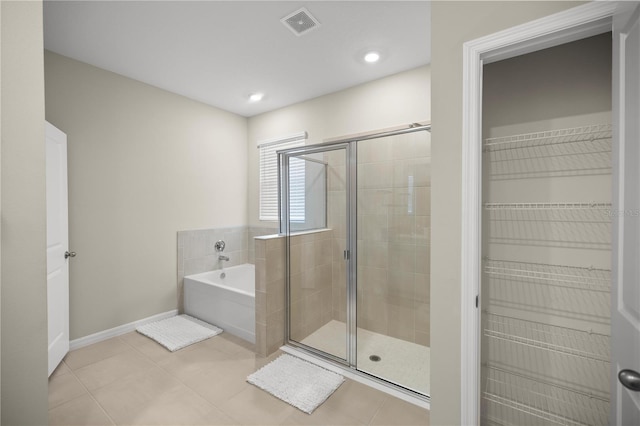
(122, 399)
(354, 400)
(395, 411)
(81, 411)
(148, 347)
(136, 381)
(222, 381)
(63, 389)
(179, 406)
(254, 406)
(60, 370)
(321, 418)
(97, 352)
(218, 417)
(186, 363)
(230, 344)
(109, 370)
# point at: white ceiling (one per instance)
(218, 52)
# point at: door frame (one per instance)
(283, 214)
(563, 27)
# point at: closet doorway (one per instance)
(546, 236)
(551, 244)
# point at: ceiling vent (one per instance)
(300, 22)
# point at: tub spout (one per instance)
(222, 257)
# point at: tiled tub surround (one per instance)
(196, 252)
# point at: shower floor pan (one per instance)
(401, 362)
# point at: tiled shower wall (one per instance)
(311, 282)
(270, 293)
(196, 252)
(394, 192)
(311, 289)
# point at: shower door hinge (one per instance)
(476, 300)
(346, 255)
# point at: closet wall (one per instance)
(546, 236)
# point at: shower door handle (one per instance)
(630, 379)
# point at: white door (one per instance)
(57, 246)
(625, 297)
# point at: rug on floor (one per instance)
(178, 332)
(296, 382)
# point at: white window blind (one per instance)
(269, 175)
(297, 175)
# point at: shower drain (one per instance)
(375, 358)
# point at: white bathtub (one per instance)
(228, 302)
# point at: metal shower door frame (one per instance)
(349, 144)
(350, 246)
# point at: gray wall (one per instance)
(23, 262)
(454, 23)
(564, 86)
(143, 164)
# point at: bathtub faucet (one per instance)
(219, 249)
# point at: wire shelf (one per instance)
(588, 207)
(579, 225)
(592, 133)
(577, 151)
(542, 362)
(567, 292)
(527, 398)
(582, 344)
(590, 279)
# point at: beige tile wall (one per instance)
(394, 191)
(311, 282)
(270, 293)
(256, 231)
(311, 290)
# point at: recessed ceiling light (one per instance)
(255, 97)
(372, 57)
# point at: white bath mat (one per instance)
(297, 382)
(178, 332)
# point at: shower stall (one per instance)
(356, 216)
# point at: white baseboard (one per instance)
(118, 331)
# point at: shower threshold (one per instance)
(391, 365)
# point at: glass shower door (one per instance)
(315, 220)
(393, 202)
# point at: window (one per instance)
(269, 178)
(297, 186)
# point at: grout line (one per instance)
(93, 397)
(379, 408)
(179, 380)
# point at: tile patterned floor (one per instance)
(131, 380)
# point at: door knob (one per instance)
(68, 254)
(630, 379)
